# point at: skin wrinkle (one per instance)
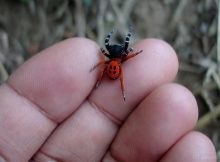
(115, 120)
(96, 133)
(170, 148)
(200, 142)
(20, 119)
(35, 105)
(49, 157)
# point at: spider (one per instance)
(117, 54)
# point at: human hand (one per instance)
(49, 110)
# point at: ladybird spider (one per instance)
(117, 54)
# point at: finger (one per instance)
(158, 122)
(42, 93)
(56, 76)
(87, 134)
(193, 147)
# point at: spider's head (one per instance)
(116, 51)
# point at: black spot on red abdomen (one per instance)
(113, 70)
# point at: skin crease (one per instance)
(50, 111)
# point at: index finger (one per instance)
(42, 93)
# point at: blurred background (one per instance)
(190, 26)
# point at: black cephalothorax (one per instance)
(117, 50)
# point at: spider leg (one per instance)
(129, 50)
(104, 52)
(100, 77)
(131, 56)
(122, 83)
(102, 62)
(107, 39)
(127, 39)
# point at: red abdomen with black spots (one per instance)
(113, 70)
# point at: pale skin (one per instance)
(49, 109)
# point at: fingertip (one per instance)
(53, 78)
(204, 141)
(194, 147)
(163, 50)
(183, 100)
